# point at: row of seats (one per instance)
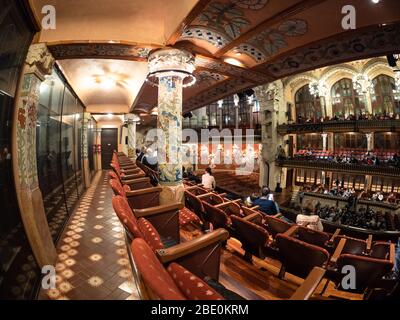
(154, 228)
(269, 236)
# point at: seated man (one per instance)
(207, 180)
(266, 202)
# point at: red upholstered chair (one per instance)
(164, 217)
(255, 239)
(352, 246)
(275, 225)
(369, 272)
(186, 216)
(299, 257)
(200, 255)
(175, 283)
(126, 217)
(316, 238)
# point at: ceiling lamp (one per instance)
(396, 90)
(362, 84)
(154, 112)
(233, 62)
(171, 62)
(220, 103)
(318, 88)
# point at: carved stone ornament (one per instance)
(39, 60)
(168, 59)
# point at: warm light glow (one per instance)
(154, 112)
(108, 83)
(110, 115)
(234, 62)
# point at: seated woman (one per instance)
(310, 220)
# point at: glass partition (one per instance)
(59, 155)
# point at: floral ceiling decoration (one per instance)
(269, 42)
(250, 4)
(225, 17)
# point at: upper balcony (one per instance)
(375, 125)
(324, 165)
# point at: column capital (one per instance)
(39, 61)
(131, 118)
(171, 59)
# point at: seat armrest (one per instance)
(369, 244)
(143, 213)
(332, 239)
(278, 215)
(133, 176)
(310, 284)
(392, 253)
(135, 193)
(227, 203)
(252, 217)
(338, 250)
(291, 231)
(132, 171)
(190, 247)
(138, 180)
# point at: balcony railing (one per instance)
(341, 126)
(361, 169)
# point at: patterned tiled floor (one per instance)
(92, 258)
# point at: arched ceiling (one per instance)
(238, 44)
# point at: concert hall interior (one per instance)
(199, 150)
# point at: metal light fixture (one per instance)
(318, 88)
(171, 62)
(362, 84)
(220, 103)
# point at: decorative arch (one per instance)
(333, 74)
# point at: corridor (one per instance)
(92, 259)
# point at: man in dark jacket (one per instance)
(266, 202)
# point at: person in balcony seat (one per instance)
(207, 180)
(266, 202)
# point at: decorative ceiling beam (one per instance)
(279, 17)
(230, 70)
(198, 8)
(361, 43)
(100, 50)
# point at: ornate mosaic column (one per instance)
(85, 148)
(171, 67)
(39, 63)
(131, 120)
